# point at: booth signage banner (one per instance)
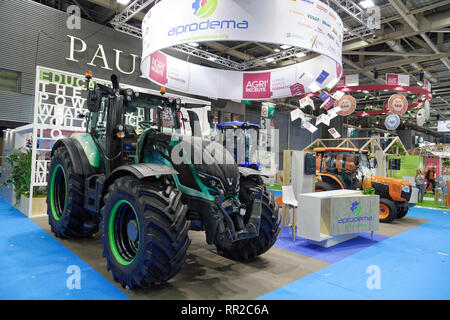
(337, 95)
(347, 104)
(392, 122)
(323, 118)
(307, 101)
(397, 79)
(333, 113)
(297, 89)
(398, 104)
(349, 81)
(443, 126)
(327, 104)
(297, 114)
(308, 126)
(268, 110)
(311, 25)
(334, 133)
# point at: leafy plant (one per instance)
(446, 163)
(20, 173)
(369, 191)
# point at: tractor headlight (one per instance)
(406, 189)
(210, 181)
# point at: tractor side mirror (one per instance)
(374, 163)
(94, 100)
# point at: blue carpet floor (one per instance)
(412, 265)
(33, 265)
(332, 254)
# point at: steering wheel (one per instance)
(146, 124)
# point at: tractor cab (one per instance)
(342, 167)
(120, 119)
(244, 136)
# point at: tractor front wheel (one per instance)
(145, 232)
(402, 211)
(388, 210)
(248, 249)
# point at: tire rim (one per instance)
(58, 192)
(123, 222)
(384, 211)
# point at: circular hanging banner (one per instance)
(392, 122)
(347, 104)
(308, 25)
(421, 117)
(398, 104)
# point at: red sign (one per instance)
(391, 79)
(158, 68)
(257, 86)
(397, 104)
(328, 104)
(297, 89)
(347, 104)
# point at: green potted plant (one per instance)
(20, 177)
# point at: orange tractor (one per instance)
(345, 168)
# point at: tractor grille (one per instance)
(406, 195)
(381, 189)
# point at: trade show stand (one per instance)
(331, 217)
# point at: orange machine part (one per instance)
(332, 177)
(395, 186)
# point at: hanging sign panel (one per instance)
(309, 25)
(394, 79)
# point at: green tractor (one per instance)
(121, 176)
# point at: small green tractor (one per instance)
(120, 177)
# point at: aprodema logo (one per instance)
(356, 208)
(204, 8)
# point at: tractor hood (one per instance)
(387, 180)
(211, 159)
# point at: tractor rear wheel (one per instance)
(401, 212)
(323, 186)
(248, 249)
(65, 199)
(388, 210)
(145, 232)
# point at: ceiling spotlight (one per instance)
(366, 4)
(276, 50)
(285, 46)
(194, 44)
(212, 59)
(124, 2)
(270, 60)
(300, 55)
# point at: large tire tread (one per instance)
(75, 222)
(164, 228)
(249, 249)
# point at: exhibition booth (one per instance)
(205, 176)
